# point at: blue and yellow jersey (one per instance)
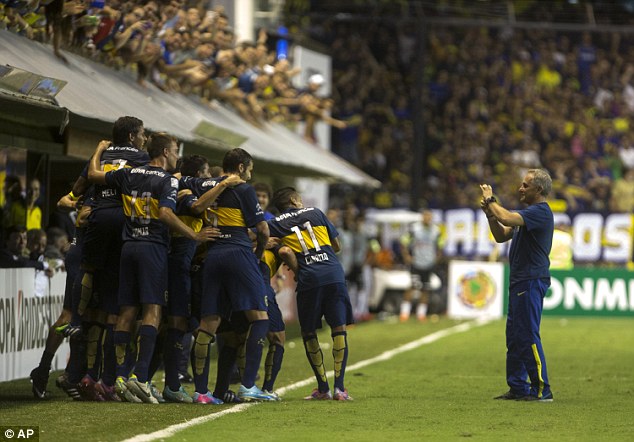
(143, 191)
(186, 215)
(269, 264)
(115, 158)
(309, 234)
(198, 186)
(234, 212)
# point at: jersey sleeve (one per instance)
(115, 178)
(251, 209)
(169, 192)
(534, 216)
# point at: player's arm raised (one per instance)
(95, 174)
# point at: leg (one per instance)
(273, 362)
(316, 359)
(532, 353)
(258, 327)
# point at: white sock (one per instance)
(406, 308)
(421, 310)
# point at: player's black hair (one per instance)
(123, 127)
(282, 198)
(233, 159)
(193, 164)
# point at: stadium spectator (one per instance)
(14, 254)
(21, 210)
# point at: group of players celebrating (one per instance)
(159, 253)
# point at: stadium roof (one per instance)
(96, 94)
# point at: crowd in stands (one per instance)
(496, 102)
(180, 46)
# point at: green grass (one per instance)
(440, 391)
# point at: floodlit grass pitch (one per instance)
(439, 391)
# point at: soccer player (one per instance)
(269, 265)
(65, 325)
(189, 210)
(149, 199)
(101, 253)
(321, 287)
(231, 270)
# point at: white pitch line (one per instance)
(173, 429)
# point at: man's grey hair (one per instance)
(542, 179)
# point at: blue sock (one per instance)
(146, 343)
(226, 361)
(76, 367)
(171, 357)
(340, 356)
(121, 342)
(183, 358)
(109, 358)
(157, 355)
(253, 351)
(272, 365)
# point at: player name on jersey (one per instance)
(320, 257)
(287, 215)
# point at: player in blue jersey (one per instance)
(531, 230)
(101, 254)
(269, 265)
(67, 324)
(232, 281)
(321, 287)
(149, 199)
(189, 210)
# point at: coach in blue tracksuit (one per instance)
(532, 232)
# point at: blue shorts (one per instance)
(276, 322)
(102, 243)
(106, 283)
(330, 301)
(179, 262)
(234, 272)
(143, 273)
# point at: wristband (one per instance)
(72, 196)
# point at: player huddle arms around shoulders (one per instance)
(149, 196)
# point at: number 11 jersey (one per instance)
(309, 234)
